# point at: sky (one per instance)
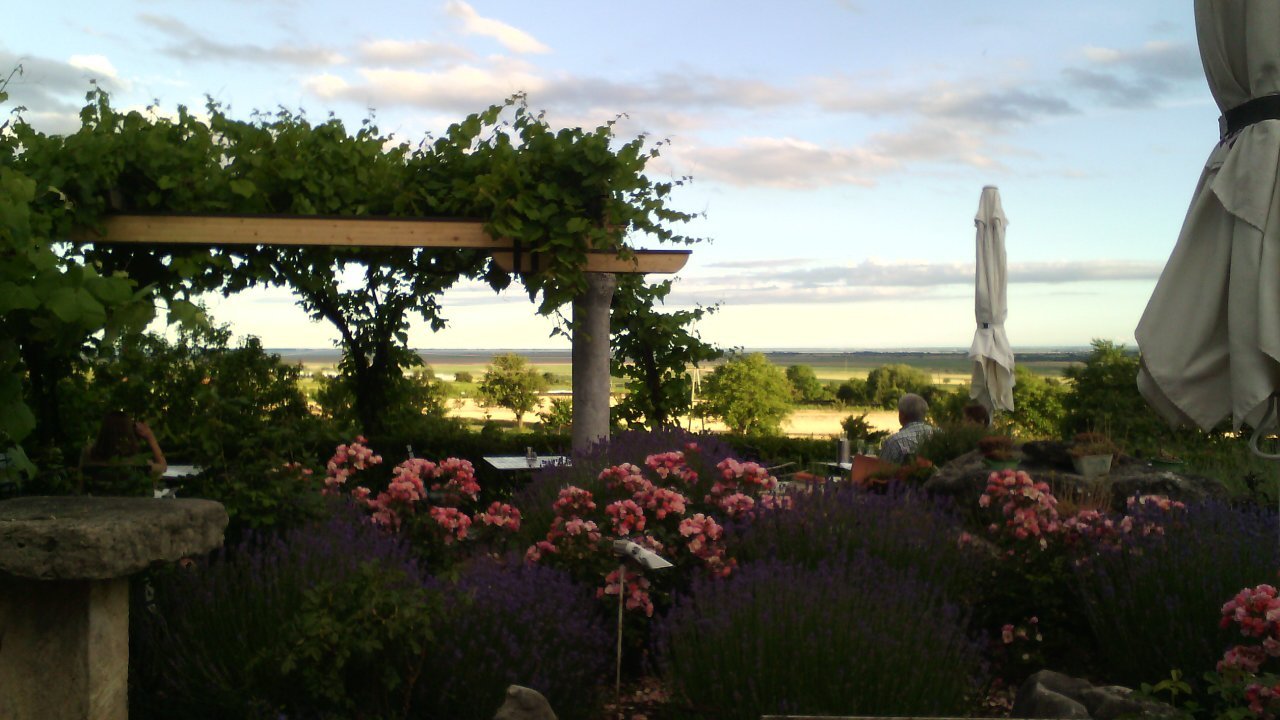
(836, 148)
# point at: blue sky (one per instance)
(837, 149)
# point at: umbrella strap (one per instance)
(1249, 112)
(1269, 420)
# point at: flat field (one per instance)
(945, 368)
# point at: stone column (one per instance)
(591, 361)
(64, 595)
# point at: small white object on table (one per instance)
(514, 463)
(175, 472)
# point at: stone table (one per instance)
(64, 595)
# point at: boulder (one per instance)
(524, 703)
(1049, 694)
(964, 478)
(97, 538)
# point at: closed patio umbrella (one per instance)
(1210, 336)
(992, 383)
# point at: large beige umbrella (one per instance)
(992, 383)
(1210, 336)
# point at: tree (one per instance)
(852, 392)
(462, 376)
(1104, 398)
(805, 385)
(749, 394)
(1037, 405)
(510, 382)
(652, 351)
(888, 383)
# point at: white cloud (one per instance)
(789, 280)
(94, 63)
(462, 87)
(786, 163)
(512, 38)
(408, 52)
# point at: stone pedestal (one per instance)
(64, 595)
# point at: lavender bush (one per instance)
(1154, 603)
(850, 635)
(905, 530)
(284, 625)
(509, 622)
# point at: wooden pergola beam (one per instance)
(353, 232)
(301, 230)
(603, 261)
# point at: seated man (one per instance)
(912, 410)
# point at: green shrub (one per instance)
(857, 428)
(950, 441)
(329, 621)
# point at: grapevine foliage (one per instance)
(558, 194)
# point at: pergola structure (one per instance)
(590, 354)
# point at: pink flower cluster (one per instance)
(627, 517)
(1029, 508)
(673, 465)
(346, 460)
(703, 537)
(1031, 519)
(500, 515)
(654, 505)
(418, 487)
(1257, 612)
(637, 597)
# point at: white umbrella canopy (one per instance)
(992, 383)
(1210, 336)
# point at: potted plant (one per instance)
(1091, 454)
(1166, 460)
(997, 452)
(915, 470)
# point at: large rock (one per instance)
(1049, 694)
(964, 478)
(524, 703)
(96, 538)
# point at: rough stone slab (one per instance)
(66, 649)
(96, 538)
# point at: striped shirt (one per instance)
(905, 442)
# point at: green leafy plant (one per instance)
(652, 352)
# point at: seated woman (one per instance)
(116, 464)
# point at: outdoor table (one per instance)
(170, 479)
(517, 463)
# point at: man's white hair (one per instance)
(913, 408)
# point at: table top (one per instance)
(520, 462)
